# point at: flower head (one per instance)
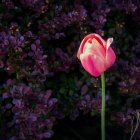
(96, 54)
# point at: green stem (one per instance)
(103, 107)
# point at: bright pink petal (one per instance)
(92, 64)
(110, 57)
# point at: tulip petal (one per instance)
(109, 42)
(94, 48)
(90, 37)
(82, 45)
(100, 40)
(110, 57)
(93, 64)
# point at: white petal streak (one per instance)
(109, 42)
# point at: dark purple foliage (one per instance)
(41, 80)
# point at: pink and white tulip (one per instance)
(96, 54)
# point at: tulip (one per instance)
(96, 54)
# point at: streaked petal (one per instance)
(90, 37)
(82, 45)
(95, 48)
(93, 64)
